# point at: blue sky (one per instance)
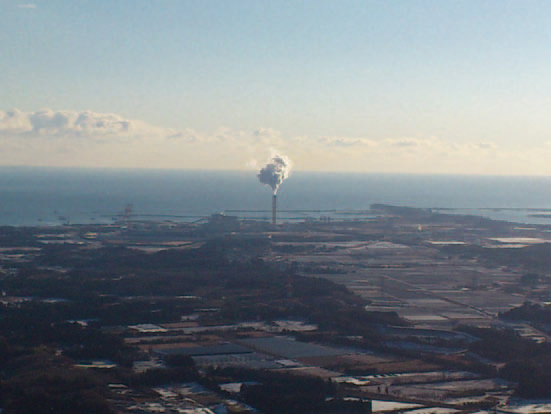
(374, 86)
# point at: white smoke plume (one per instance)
(275, 172)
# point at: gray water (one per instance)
(49, 196)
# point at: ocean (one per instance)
(31, 196)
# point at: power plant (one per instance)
(273, 174)
(274, 209)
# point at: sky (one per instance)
(401, 86)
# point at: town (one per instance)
(393, 310)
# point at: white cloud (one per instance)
(267, 136)
(14, 120)
(188, 135)
(225, 134)
(52, 122)
(344, 142)
(86, 138)
(85, 125)
(27, 6)
(404, 142)
(332, 142)
(408, 143)
(487, 146)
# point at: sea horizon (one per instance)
(255, 171)
(54, 195)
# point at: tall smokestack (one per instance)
(274, 209)
(273, 174)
